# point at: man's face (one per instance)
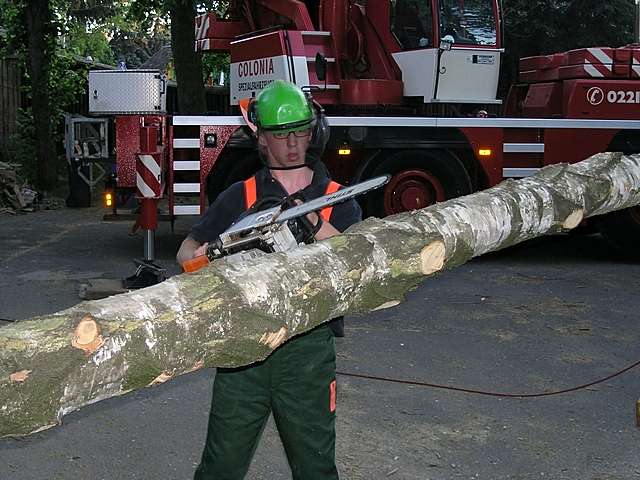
(285, 150)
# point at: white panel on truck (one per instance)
(127, 92)
(469, 75)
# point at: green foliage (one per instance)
(21, 147)
(539, 27)
(93, 44)
(65, 77)
(144, 29)
(14, 37)
(149, 16)
(212, 65)
(598, 23)
(221, 8)
(152, 19)
(66, 83)
(135, 48)
(547, 26)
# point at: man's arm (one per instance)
(218, 217)
(326, 229)
(349, 213)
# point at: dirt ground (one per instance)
(549, 315)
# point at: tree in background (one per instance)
(213, 64)
(86, 26)
(607, 23)
(187, 63)
(31, 25)
(143, 31)
(180, 15)
(46, 34)
(49, 36)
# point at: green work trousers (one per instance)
(297, 383)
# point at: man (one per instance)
(297, 381)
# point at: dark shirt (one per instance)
(230, 205)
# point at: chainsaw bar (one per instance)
(276, 215)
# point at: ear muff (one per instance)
(320, 133)
(244, 104)
(252, 114)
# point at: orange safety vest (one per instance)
(251, 195)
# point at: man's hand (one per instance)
(201, 250)
(188, 250)
(326, 229)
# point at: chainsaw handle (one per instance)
(195, 264)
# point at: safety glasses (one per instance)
(296, 133)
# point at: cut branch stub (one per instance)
(87, 336)
(19, 377)
(573, 220)
(274, 339)
(160, 379)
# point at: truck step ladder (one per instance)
(186, 195)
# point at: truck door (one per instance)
(469, 72)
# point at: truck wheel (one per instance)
(622, 230)
(419, 178)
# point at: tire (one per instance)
(419, 178)
(622, 230)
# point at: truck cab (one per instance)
(468, 72)
(375, 52)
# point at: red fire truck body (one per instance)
(409, 88)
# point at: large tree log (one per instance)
(237, 312)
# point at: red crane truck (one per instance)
(409, 87)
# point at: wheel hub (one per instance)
(411, 190)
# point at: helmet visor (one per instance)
(300, 129)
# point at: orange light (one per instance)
(484, 152)
(344, 151)
(108, 199)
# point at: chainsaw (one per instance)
(279, 228)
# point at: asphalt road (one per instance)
(551, 314)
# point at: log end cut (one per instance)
(432, 257)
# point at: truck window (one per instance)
(412, 23)
(470, 22)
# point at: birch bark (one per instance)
(236, 312)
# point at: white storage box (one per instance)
(127, 92)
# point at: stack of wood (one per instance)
(14, 198)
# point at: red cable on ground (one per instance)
(492, 394)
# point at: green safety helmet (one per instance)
(282, 106)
